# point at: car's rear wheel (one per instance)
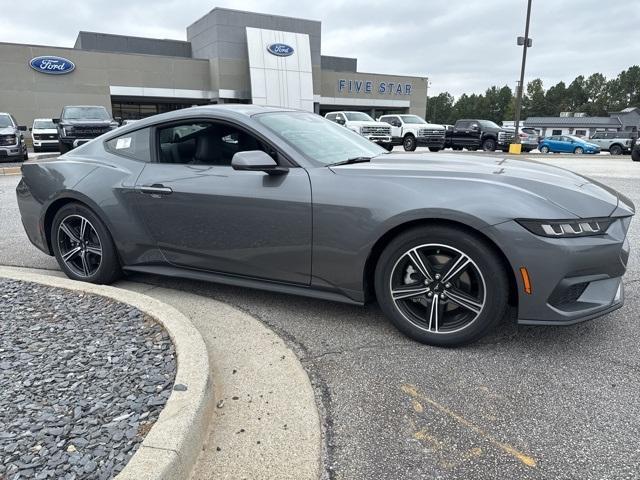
(578, 151)
(409, 143)
(441, 285)
(615, 150)
(635, 154)
(83, 246)
(544, 149)
(489, 145)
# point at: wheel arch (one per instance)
(389, 235)
(55, 206)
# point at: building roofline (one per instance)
(130, 36)
(252, 13)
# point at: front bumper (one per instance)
(11, 151)
(378, 138)
(573, 279)
(435, 142)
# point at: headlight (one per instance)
(583, 227)
(12, 139)
(67, 131)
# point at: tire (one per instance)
(472, 149)
(434, 149)
(409, 143)
(86, 264)
(64, 148)
(387, 146)
(635, 154)
(544, 149)
(25, 157)
(483, 280)
(578, 150)
(615, 149)
(456, 148)
(489, 145)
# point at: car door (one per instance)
(396, 125)
(205, 215)
(566, 144)
(461, 133)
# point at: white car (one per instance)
(360, 122)
(44, 135)
(412, 131)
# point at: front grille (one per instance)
(45, 136)
(7, 140)
(505, 137)
(381, 130)
(89, 132)
(566, 296)
(431, 133)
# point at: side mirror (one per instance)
(475, 128)
(30, 129)
(22, 128)
(396, 123)
(118, 119)
(257, 161)
(340, 121)
(55, 120)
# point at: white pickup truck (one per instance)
(360, 122)
(411, 131)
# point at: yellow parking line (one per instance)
(413, 392)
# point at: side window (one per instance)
(132, 145)
(203, 143)
(463, 124)
(597, 135)
(331, 116)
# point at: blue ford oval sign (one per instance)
(52, 65)
(280, 49)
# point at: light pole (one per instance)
(526, 43)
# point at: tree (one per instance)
(439, 108)
(556, 99)
(534, 103)
(597, 95)
(576, 95)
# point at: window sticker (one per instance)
(123, 143)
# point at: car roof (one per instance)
(235, 110)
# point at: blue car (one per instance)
(567, 144)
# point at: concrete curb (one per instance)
(10, 171)
(171, 448)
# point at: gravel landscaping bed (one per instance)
(82, 380)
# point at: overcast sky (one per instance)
(461, 45)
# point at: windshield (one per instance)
(85, 113)
(320, 140)
(490, 124)
(5, 121)
(44, 124)
(412, 119)
(358, 117)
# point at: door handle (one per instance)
(156, 189)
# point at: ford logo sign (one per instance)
(280, 49)
(52, 65)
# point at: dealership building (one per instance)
(229, 56)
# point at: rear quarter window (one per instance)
(133, 145)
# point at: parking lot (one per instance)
(525, 402)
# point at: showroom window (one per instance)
(556, 132)
(581, 133)
(133, 145)
(204, 143)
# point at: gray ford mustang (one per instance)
(287, 201)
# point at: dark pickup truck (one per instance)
(478, 134)
(82, 123)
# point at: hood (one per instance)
(365, 123)
(433, 126)
(44, 130)
(8, 131)
(576, 194)
(91, 122)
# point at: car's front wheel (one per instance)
(441, 285)
(83, 246)
(409, 143)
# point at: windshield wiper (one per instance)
(349, 161)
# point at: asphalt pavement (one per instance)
(524, 403)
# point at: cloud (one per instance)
(462, 46)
